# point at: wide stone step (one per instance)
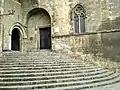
(39, 59)
(46, 67)
(41, 65)
(58, 84)
(80, 77)
(32, 56)
(8, 83)
(49, 72)
(54, 75)
(43, 68)
(42, 60)
(34, 62)
(44, 63)
(39, 62)
(19, 63)
(85, 86)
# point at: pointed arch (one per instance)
(15, 40)
(79, 15)
(17, 27)
(20, 27)
(79, 9)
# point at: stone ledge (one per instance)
(87, 33)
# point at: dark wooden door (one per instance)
(15, 44)
(45, 38)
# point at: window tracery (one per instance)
(79, 16)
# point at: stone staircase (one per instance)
(47, 70)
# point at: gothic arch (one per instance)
(21, 29)
(79, 9)
(22, 33)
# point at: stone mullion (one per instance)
(79, 24)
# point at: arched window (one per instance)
(79, 15)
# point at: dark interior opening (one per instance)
(15, 40)
(45, 38)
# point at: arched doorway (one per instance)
(39, 21)
(15, 40)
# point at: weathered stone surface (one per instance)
(99, 42)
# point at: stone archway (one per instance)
(39, 22)
(16, 35)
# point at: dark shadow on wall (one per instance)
(105, 48)
(102, 44)
(110, 24)
(110, 42)
(106, 45)
(111, 46)
(95, 46)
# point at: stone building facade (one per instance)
(87, 27)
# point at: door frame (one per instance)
(38, 36)
(23, 34)
(46, 31)
(18, 39)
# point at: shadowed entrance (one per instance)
(39, 21)
(45, 38)
(15, 40)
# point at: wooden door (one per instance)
(45, 38)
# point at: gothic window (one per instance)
(79, 19)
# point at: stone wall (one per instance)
(61, 42)
(112, 20)
(60, 14)
(9, 20)
(100, 48)
(1, 11)
(100, 43)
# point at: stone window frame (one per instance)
(78, 15)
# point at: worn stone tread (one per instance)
(51, 71)
(65, 84)
(60, 78)
(57, 73)
(82, 79)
